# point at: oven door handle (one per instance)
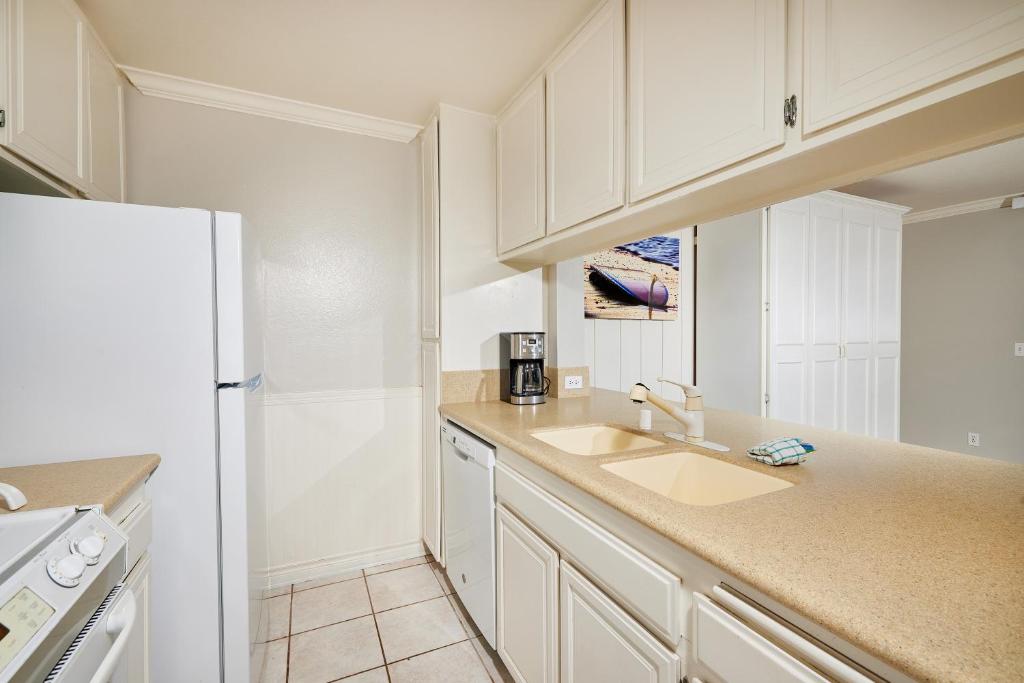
(120, 624)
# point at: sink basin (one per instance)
(695, 479)
(595, 440)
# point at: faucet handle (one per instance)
(691, 390)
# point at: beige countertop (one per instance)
(911, 554)
(104, 481)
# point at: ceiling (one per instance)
(389, 58)
(981, 174)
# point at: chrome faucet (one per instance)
(690, 416)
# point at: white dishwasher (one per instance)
(467, 464)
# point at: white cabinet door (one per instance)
(825, 329)
(46, 82)
(789, 303)
(864, 54)
(527, 590)
(430, 275)
(521, 169)
(602, 644)
(135, 667)
(586, 122)
(858, 226)
(104, 103)
(707, 83)
(887, 289)
(432, 533)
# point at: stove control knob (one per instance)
(67, 571)
(90, 548)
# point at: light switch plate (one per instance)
(574, 381)
(1018, 348)
(973, 439)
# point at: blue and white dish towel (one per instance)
(787, 451)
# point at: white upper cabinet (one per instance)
(521, 169)
(46, 67)
(430, 309)
(104, 88)
(864, 54)
(586, 121)
(707, 84)
(65, 100)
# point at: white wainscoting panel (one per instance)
(621, 353)
(343, 477)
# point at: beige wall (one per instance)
(339, 219)
(338, 214)
(729, 312)
(963, 307)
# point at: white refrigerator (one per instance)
(135, 329)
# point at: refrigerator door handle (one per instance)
(251, 384)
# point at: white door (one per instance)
(707, 84)
(527, 592)
(600, 643)
(521, 169)
(47, 117)
(887, 288)
(430, 275)
(104, 118)
(858, 226)
(824, 270)
(864, 54)
(431, 364)
(586, 121)
(789, 305)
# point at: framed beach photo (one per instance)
(635, 281)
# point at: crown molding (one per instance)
(958, 209)
(259, 104)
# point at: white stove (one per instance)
(63, 616)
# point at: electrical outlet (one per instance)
(973, 439)
(574, 381)
(1018, 348)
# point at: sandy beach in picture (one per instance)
(598, 304)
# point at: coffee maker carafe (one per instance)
(522, 367)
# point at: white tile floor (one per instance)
(394, 623)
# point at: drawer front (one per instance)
(736, 653)
(138, 527)
(646, 589)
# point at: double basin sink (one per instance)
(684, 476)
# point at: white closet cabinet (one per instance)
(431, 227)
(64, 97)
(104, 115)
(860, 55)
(834, 321)
(520, 135)
(45, 116)
(527, 594)
(586, 121)
(707, 84)
(601, 643)
(431, 366)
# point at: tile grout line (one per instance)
(288, 644)
(362, 616)
(362, 575)
(376, 628)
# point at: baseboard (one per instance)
(295, 572)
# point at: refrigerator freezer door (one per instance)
(239, 299)
(106, 349)
(243, 528)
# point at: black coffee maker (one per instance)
(522, 368)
